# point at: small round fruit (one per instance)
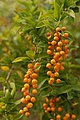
(59, 109)
(48, 65)
(33, 99)
(73, 116)
(58, 29)
(34, 81)
(30, 105)
(27, 114)
(58, 116)
(63, 28)
(49, 52)
(34, 91)
(65, 35)
(34, 76)
(21, 111)
(30, 66)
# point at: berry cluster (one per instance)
(58, 51)
(30, 88)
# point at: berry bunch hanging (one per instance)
(58, 51)
(30, 88)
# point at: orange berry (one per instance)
(58, 81)
(58, 49)
(51, 104)
(28, 97)
(56, 38)
(44, 105)
(60, 43)
(58, 29)
(52, 109)
(27, 114)
(23, 100)
(48, 109)
(50, 47)
(48, 33)
(53, 61)
(25, 109)
(56, 74)
(65, 35)
(25, 80)
(47, 100)
(48, 65)
(49, 52)
(63, 28)
(33, 99)
(61, 67)
(49, 43)
(26, 93)
(21, 111)
(30, 66)
(73, 116)
(66, 41)
(59, 109)
(34, 81)
(62, 52)
(58, 116)
(49, 73)
(34, 91)
(34, 76)
(23, 89)
(29, 72)
(57, 99)
(37, 64)
(30, 105)
(53, 42)
(35, 86)
(50, 82)
(27, 86)
(67, 115)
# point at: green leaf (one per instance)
(77, 60)
(71, 13)
(42, 83)
(76, 87)
(69, 96)
(65, 89)
(56, 10)
(1, 93)
(30, 54)
(18, 102)
(75, 9)
(19, 59)
(12, 85)
(2, 79)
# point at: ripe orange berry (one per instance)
(56, 74)
(29, 72)
(30, 66)
(50, 82)
(44, 105)
(48, 33)
(57, 99)
(52, 109)
(35, 86)
(58, 29)
(27, 86)
(58, 81)
(23, 100)
(34, 76)
(60, 43)
(34, 91)
(66, 41)
(23, 89)
(34, 81)
(59, 109)
(58, 49)
(48, 109)
(56, 38)
(48, 65)
(25, 80)
(28, 97)
(63, 28)
(62, 52)
(67, 115)
(26, 93)
(65, 35)
(50, 47)
(58, 116)
(33, 99)
(49, 52)
(30, 105)
(21, 111)
(73, 116)
(25, 109)
(61, 67)
(53, 42)
(27, 114)
(49, 73)
(53, 61)
(37, 64)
